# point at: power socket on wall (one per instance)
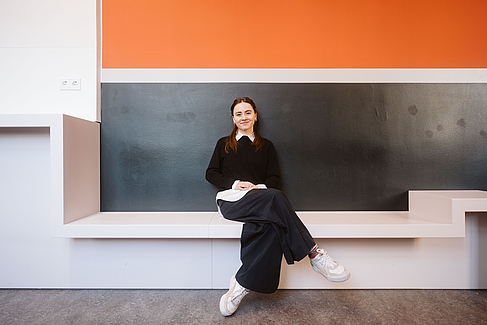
(70, 84)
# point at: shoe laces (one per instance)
(327, 259)
(237, 298)
(238, 294)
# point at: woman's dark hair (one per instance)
(231, 142)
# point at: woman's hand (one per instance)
(245, 186)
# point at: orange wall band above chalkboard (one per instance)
(294, 34)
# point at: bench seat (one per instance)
(431, 214)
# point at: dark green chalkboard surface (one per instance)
(340, 146)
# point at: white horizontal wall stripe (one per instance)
(294, 75)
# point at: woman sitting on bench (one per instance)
(244, 167)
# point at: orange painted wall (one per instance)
(294, 34)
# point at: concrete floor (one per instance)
(283, 307)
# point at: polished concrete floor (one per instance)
(283, 307)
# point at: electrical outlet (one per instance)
(64, 84)
(75, 84)
(70, 84)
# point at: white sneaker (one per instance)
(328, 267)
(229, 301)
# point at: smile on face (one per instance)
(244, 118)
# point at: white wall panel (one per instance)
(30, 82)
(29, 257)
(48, 23)
(42, 42)
(140, 263)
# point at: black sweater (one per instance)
(246, 164)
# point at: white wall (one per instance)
(42, 42)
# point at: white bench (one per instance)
(431, 214)
(75, 177)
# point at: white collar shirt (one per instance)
(240, 135)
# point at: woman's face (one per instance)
(244, 117)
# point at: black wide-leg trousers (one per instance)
(271, 229)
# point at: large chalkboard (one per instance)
(341, 146)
